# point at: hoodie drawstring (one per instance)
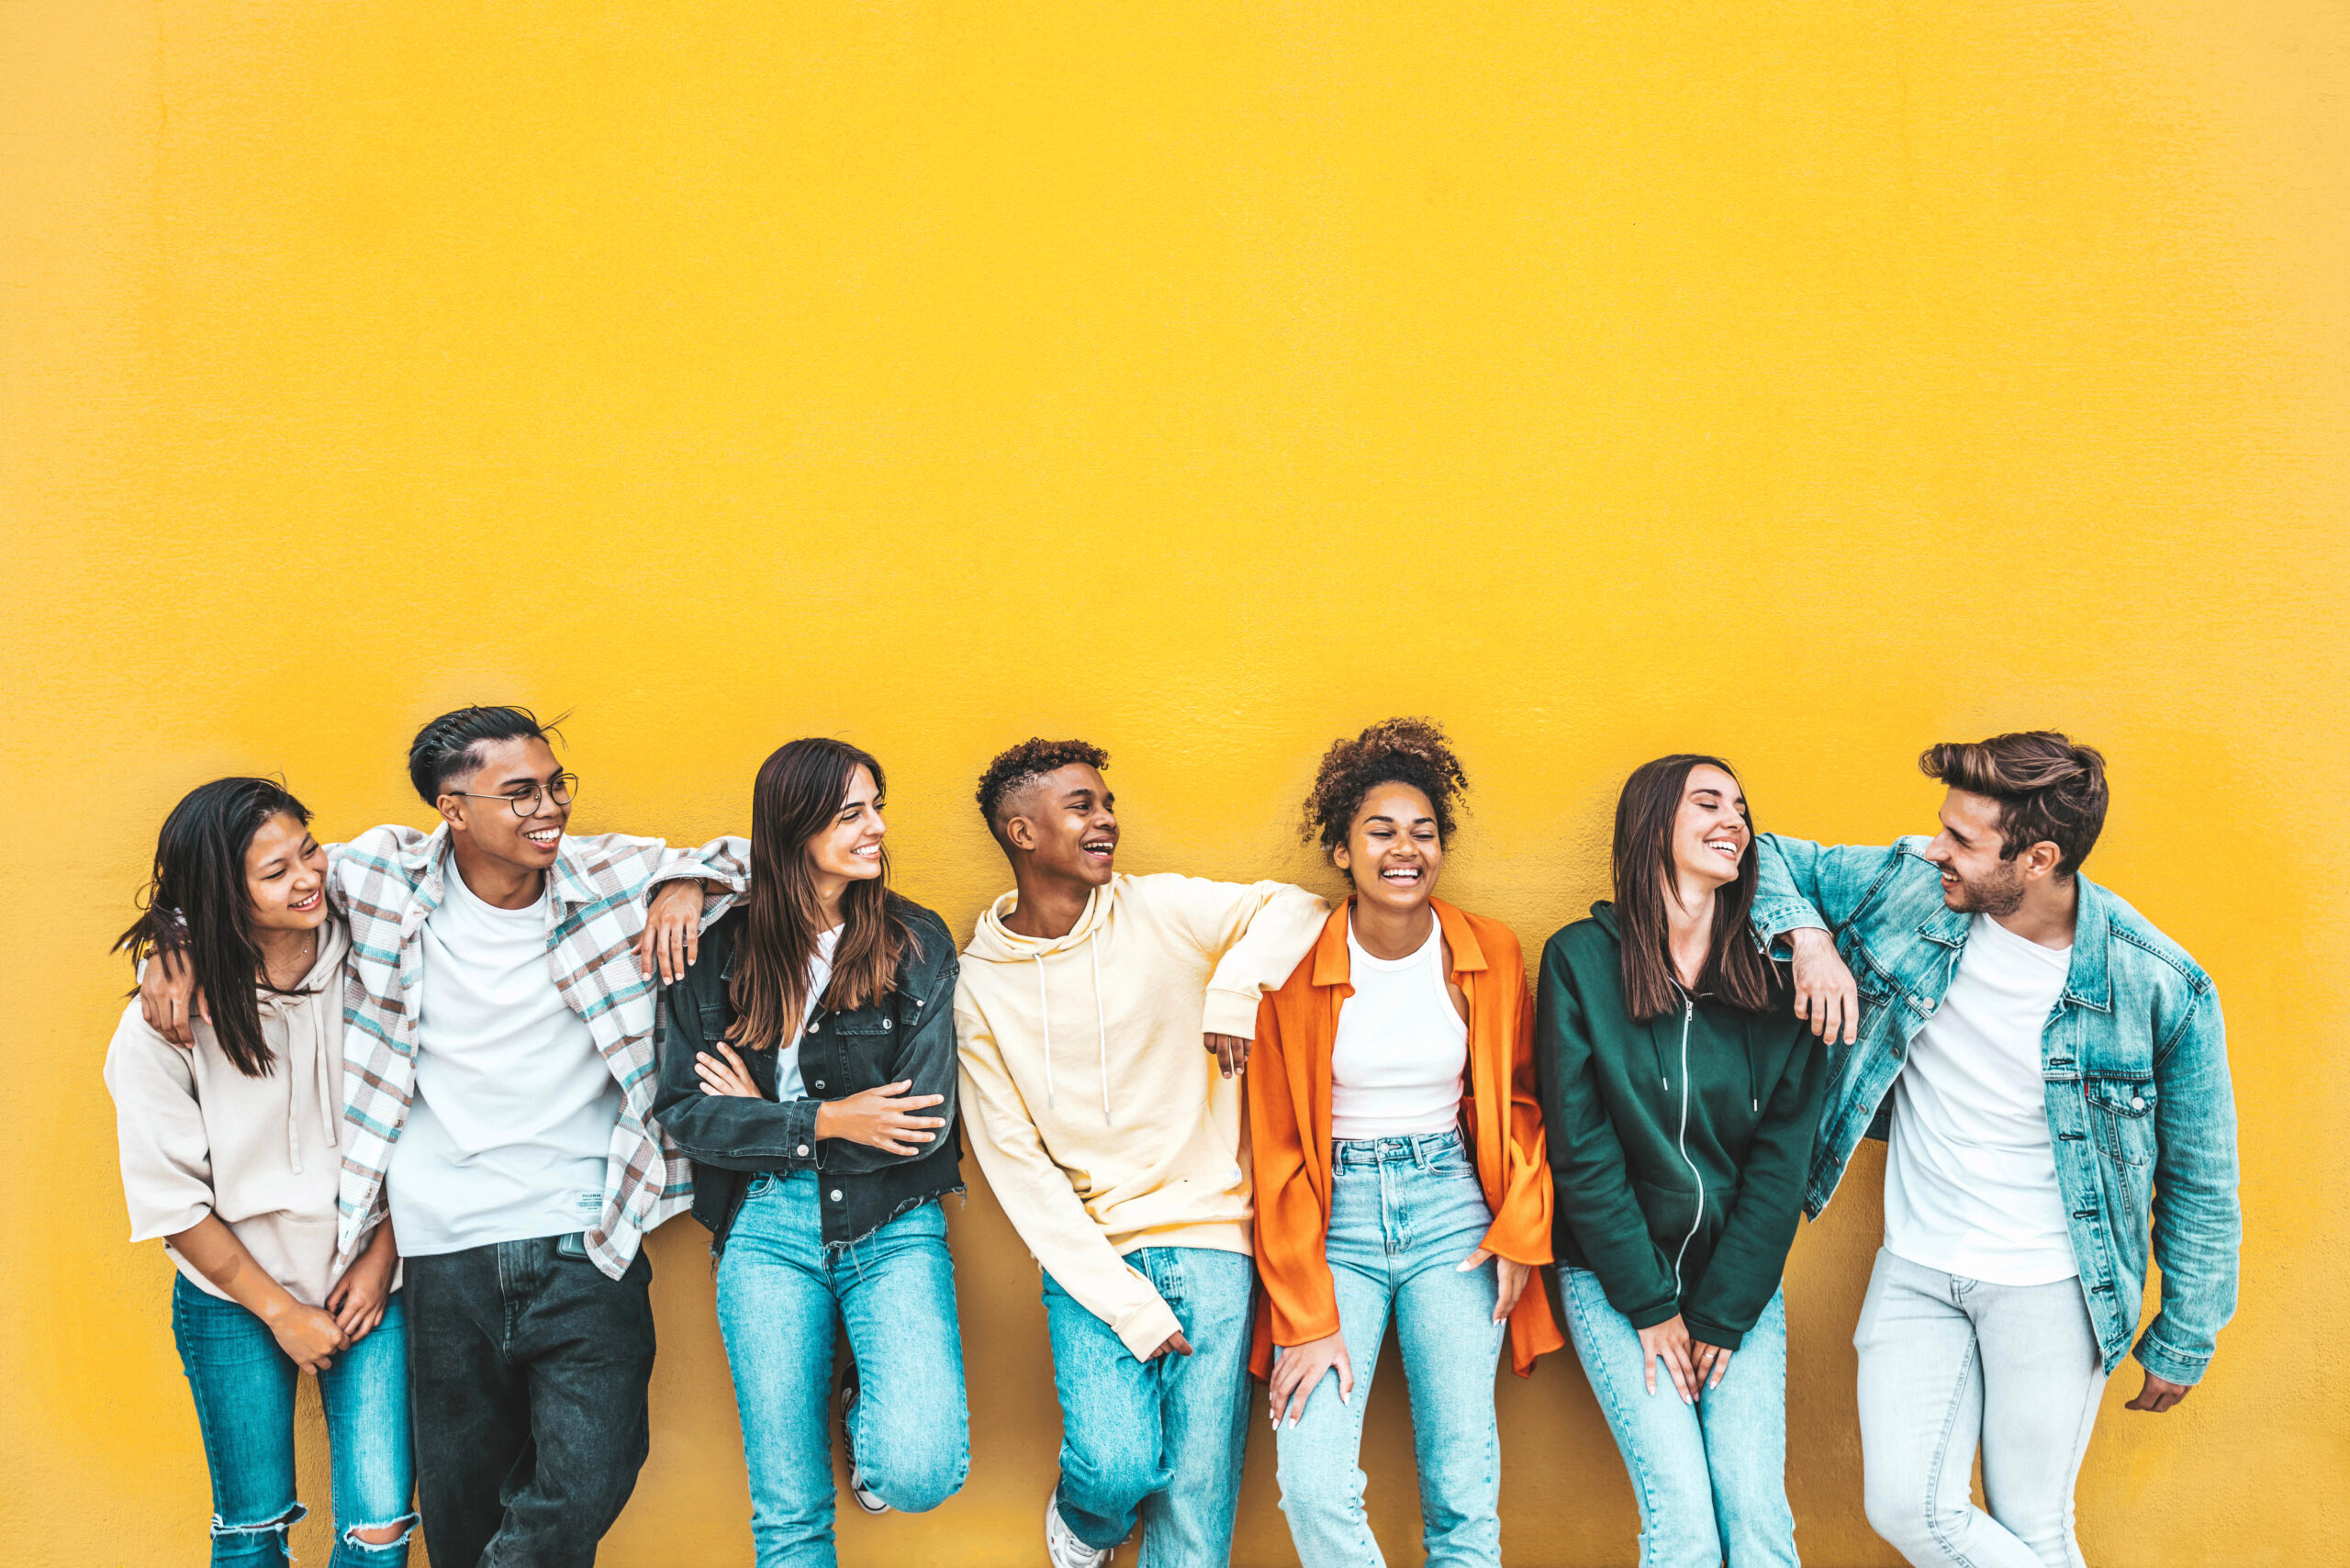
(1045, 1010)
(316, 1010)
(1101, 1029)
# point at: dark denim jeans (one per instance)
(243, 1386)
(528, 1375)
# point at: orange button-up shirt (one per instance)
(1289, 1131)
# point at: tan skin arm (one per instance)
(308, 1334)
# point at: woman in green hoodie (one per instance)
(1679, 1093)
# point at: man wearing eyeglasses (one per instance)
(498, 1074)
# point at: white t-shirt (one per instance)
(512, 1124)
(788, 1083)
(1395, 1063)
(1970, 1183)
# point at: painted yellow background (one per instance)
(1806, 381)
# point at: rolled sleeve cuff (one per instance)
(1774, 918)
(2170, 1365)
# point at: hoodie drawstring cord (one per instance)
(1101, 1030)
(1045, 1010)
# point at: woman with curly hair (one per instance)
(1399, 1166)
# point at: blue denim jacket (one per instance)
(2140, 1115)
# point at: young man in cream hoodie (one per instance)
(1114, 1142)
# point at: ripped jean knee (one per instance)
(258, 1544)
(374, 1545)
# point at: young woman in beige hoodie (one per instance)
(231, 1155)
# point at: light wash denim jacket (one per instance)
(2140, 1115)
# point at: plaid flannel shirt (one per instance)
(389, 880)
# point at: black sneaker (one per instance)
(867, 1498)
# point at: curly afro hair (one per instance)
(1399, 751)
(1032, 758)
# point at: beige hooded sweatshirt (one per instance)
(200, 1136)
(1102, 1122)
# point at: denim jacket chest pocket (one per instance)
(848, 1053)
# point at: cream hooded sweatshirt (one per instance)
(200, 1136)
(1102, 1122)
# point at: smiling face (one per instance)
(849, 846)
(1065, 823)
(1976, 880)
(509, 769)
(1710, 833)
(285, 875)
(1393, 851)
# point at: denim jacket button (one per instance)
(836, 1194)
(820, 1083)
(804, 1151)
(888, 1023)
(2137, 1102)
(813, 1028)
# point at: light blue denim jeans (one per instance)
(1158, 1440)
(780, 1297)
(1711, 1479)
(243, 1386)
(1405, 1212)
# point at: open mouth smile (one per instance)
(544, 836)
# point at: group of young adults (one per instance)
(402, 1110)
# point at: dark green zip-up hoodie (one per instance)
(1679, 1147)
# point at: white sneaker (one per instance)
(867, 1498)
(1062, 1547)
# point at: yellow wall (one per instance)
(1806, 382)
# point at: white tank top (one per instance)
(1396, 1065)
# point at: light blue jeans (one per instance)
(1404, 1213)
(780, 1297)
(1711, 1479)
(1947, 1362)
(1160, 1440)
(243, 1386)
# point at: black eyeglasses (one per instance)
(560, 789)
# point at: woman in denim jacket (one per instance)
(807, 1070)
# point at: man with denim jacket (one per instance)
(2051, 1071)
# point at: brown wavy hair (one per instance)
(2048, 789)
(1735, 970)
(1395, 751)
(799, 791)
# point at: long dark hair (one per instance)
(198, 903)
(1735, 970)
(799, 791)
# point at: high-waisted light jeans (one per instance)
(1405, 1212)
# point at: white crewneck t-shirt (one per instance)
(1970, 1181)
(789, 1084)
(1395, 1064)
(512, 1124)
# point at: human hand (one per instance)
(881, 1118)
(1825, 997)
(1174, 1342)
(358, 1298)
(2159, 1394)
(1510, 1277)
(308, 1334)
(1230, 1051)
(168, 997)
(1710, 1362)
(672, 938)
(725, 1077)
(1299, 1372)
(1670, 1340)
